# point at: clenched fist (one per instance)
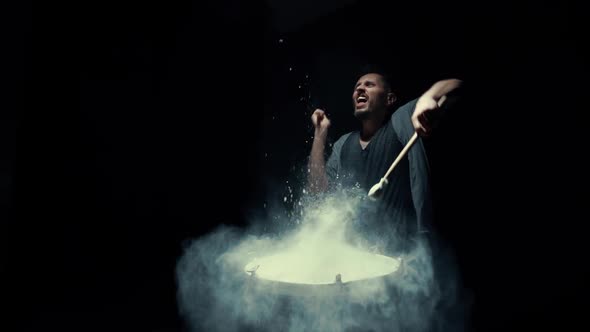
(320, 121)
(425, 114)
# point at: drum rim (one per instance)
(303, 289)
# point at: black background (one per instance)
(129, 128)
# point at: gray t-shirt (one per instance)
(406, 203)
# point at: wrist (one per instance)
(430, 95)
(441, 88)
(321, 133)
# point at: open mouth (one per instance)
(361, 100)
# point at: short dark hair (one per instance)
(385, 72)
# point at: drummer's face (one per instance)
(371, 94)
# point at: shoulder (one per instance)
(340, 141)
(337, 149)
(337, 146)
(405, 110)
(401, 119)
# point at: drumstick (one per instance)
(377, 189)
(402, 154)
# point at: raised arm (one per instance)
(317, 179)
(429, 102)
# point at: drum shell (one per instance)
(350, 306)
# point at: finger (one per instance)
(317, 112)
(422, 131)
(416, 123)
(425, 121)
(441, 100)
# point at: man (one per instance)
(360, 158)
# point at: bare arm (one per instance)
(441, 88)
(317, 180)
(429, 102)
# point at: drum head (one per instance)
(304, 270)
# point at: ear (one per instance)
(391, 98)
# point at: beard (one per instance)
(362, 114)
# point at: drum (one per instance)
(334, 269)
(332, 289)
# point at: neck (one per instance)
(370, 127)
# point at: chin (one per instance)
(361, 113)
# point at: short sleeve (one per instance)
(333, 165)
